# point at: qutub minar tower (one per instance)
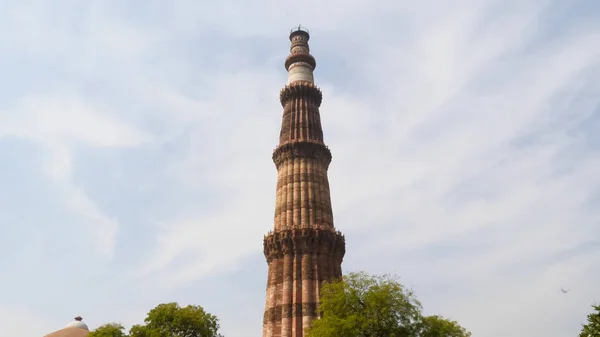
(304, 250)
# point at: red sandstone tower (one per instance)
(304, 249)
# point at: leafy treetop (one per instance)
(167, 320)
(592, 327)
(362, 305)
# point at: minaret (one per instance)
(304, 249)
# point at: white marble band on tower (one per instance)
(300, 64)
(300, 71)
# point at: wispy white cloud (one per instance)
(463, 135)
(66, 118)
(58, 121)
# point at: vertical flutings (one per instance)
(296, 202)
(308, 300)
(286, 322)
(303, 250)
(279, 192)
(303, 193)
(310, 192)
(289, 196)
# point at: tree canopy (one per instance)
(109, 330)
(592, 327)
(437, 326)
(362, 305)
(167, 320)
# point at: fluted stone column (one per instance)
(304, 249)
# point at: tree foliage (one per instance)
(592, 327)
(437, 326)
(109, 330)
(168, 320)
(362, 305)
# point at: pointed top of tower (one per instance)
(303, 249)
(299, 30)
(300, 64)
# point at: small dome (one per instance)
(74, 329)
(78, 323)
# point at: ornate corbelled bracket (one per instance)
(301, 89)
(303, 149)
(299, 241)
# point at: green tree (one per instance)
(167, 320)
(362, 305)
(592, 328)
(437, 326)
(109, 330)
(171, 320)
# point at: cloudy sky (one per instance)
(136, 140)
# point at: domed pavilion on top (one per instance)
(74, 329)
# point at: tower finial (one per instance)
(300, 64)
(299, 30)
(304, 250)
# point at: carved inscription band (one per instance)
(289, 311)
(312, 206)
(328, 267)
(303, 177)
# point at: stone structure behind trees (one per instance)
(304, 249)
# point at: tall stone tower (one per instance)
(304, 249)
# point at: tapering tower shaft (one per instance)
(304, 249)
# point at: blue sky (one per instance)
(136, 139)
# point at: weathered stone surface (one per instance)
(290, 310)
(300, 57)
(304, 250)
(299, 241)
(303, 90)
(304, 149)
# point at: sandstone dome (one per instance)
(74, 329)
